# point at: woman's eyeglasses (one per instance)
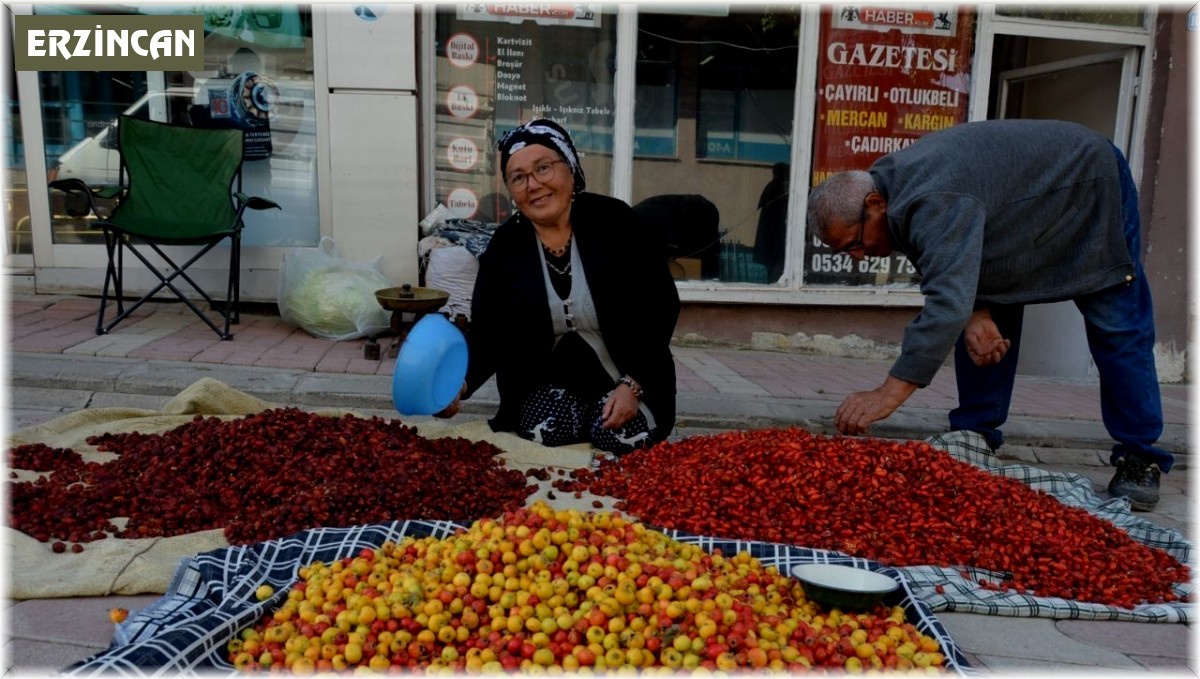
(542, 172)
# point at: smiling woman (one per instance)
(575, 324)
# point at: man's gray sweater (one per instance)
(1004, 212)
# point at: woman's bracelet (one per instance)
(633, 386)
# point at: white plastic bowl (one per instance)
(843, 586)
(430, 367)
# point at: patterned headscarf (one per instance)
(546, 133)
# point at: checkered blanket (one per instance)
(212, 596)
(963, 595)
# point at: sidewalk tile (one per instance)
(1027, 639)
(52, 341)
(1134, 638)
(109, 345)
(75, 305)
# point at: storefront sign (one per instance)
(462, 154)
(462, 102)
(463, 202)
(542, 13)
(498, 72)
(462, 50)
(888, 75)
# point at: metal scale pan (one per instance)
(404, 300)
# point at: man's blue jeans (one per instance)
(1120, 331)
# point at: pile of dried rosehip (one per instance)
(40, 457)
(261, 477)
(897, 503)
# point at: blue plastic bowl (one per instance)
(430, 367)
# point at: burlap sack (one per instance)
(145, 566)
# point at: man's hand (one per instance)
(985, 346)
(862, 408)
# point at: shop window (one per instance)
(732, 78)
(257, 76)
(79, 114)
(746, 76)
(499, 66)
(655, 111)
(1107, 15)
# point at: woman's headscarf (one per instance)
(546, 133)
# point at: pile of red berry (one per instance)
(897, 503)
(261, 477)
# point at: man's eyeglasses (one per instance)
(542, 171)
(857, 242)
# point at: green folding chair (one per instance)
(177, 186)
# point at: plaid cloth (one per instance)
(212, 597)
(963, 595)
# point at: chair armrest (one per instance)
(108, 192)
(75, 185)
(69, 185)
(255, 202)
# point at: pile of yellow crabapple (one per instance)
(546, 590)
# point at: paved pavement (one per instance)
(57, 364)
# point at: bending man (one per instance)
(996, 215)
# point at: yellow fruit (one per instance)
(575, 572)
(118, 615)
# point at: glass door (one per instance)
(1093, 89)
(1091, 84)
(79, 110)
(18, 234)
(258, 76)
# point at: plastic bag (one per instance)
(331, 297)
(453, 269)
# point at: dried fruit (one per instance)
(42, 458)
(260, 477)
(897, 503)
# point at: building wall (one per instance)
(859, 332)
(1165, 189)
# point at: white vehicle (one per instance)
(280, 119)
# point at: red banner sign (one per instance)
(888, 75)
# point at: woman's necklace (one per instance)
(565, 271)
(560, 251)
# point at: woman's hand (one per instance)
(452, 409)
(620, 408)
